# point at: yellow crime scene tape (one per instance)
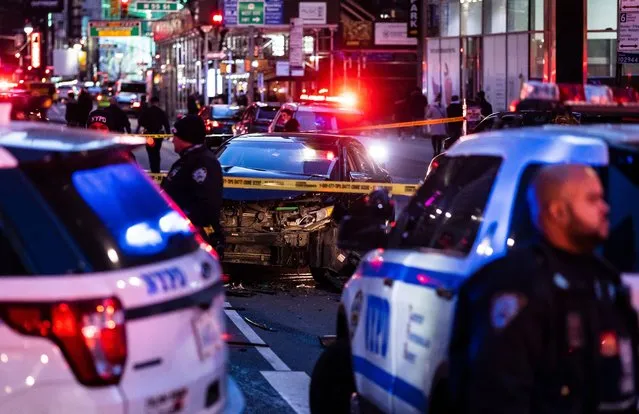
(313, 186)
(364, 128)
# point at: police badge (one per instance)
(199, 175)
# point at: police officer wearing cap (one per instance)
(549, 328)
(195, 181)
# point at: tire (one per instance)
(332, 382)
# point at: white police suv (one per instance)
(109, 302)
(395, 316)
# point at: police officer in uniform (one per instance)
(195, 181)
(549, 328)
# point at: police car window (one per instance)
(266, 113)
(447, 210)
(294, 157)
(113, 212)
(10, 261)
(326, 121)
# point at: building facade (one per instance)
(496, 45)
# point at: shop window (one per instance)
(494, 72)
(433, 16)
(470, 17)
(602, 15)
(631, 69)
(517, 63)
(518, 15)
(537, 16)
(602, 55)
(537, 56)
(494, 16)
(449, 18)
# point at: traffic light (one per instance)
(217, 19)
(124, 9)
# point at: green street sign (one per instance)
(117, 28)
(156, 6)
(250, 13)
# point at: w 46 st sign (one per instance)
(628, 44)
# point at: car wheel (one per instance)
(332, 382)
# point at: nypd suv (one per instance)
(109, 301)
(394, 320)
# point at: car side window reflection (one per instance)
(447, 211)
(10, 262)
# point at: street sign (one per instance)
(117, 28)
(296, 47)
(629, 5)
(250, 13)
(156, 6)
(628, 32)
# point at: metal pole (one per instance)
(332, 62)
(251, 55)
(216, 70)
(205, 82)
(228, 79)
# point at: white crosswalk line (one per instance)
(293, 386)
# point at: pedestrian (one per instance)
(154, 121)
(454, 110)
(486, 107)
(549, 328)
(85, 106)
(417, 107)
(192, 105)
(195, 181)
(119, 118)
(71, 115)
(437, 131)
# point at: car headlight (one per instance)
(313, 217)
(378, 152)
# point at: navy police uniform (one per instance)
(195, 182)
(544, 331)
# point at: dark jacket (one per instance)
(84, 107)
(455, 110)
(153, 119)
(119, 120)
(195, 183)
(486, 107)
(528, 331)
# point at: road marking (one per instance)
(292, 386)
(252, 336)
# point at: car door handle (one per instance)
(388, 282)
(445, 293)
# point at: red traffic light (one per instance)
(217, 18)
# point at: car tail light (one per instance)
(215, 124)
(90, 333)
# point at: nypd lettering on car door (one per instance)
(377, 329)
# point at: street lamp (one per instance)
(28, 29)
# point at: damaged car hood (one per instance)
(241, 194)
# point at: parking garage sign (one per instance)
(628, 32)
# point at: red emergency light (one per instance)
(217, 18)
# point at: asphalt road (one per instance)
(283, 310)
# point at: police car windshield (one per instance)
(327, 121)
(266, 113)
(292, 157)
(111, 210)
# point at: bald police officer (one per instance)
(195, 181)
(548, 328)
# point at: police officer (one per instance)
(549, 328)
(195, 181)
